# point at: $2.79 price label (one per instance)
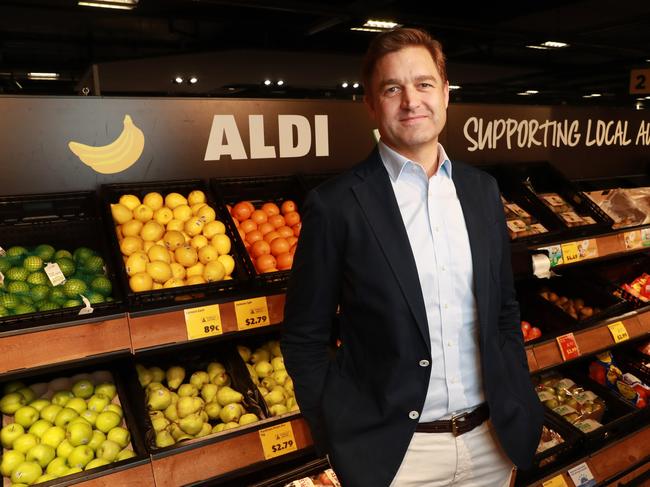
(277, 440)
(252, 313)
(203, 321)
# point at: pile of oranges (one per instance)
(270, 233)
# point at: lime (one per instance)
(24, 308)
(71, 303)
(33, 263)
(16, 251)
(17, 274)
(5, 264)
(82, 254)
(4, 311)
(45, 252)
(67, 266)
(38, 278)
(47, 306)
(94, 264)
(74, 287)
(60, 254)
(102, 285)
(57, 295)
(40, 292)
(94, 297)
(9, 301)
(18, 287)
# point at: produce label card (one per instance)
(585, 397)
(588, 425)
(277, 440)
(54, 273)
(554, 200)
(581, 475)
(518, 210)
(618, 331)
(565, 383)
(252, 313)
(545, 396)
(555, 482)
(554, 254)
(203, 322)
(564, 410)
(568, 346)
(304, 482)
(632, 240)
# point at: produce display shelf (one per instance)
(149, 330)
(49, 345)
(134, 475)
(629, 455)
(546, 354)
(209, 459)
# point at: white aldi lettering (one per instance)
(294, 134)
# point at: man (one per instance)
(414, 251)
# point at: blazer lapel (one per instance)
(377, 200)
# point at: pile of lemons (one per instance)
(171, 241)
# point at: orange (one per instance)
(265, 262)
(266, 227)
(248, 226)
(241, 211)
(242, 234)
(293, 249)
(259, 217)
(296, 229)
(254, 236)
(277, 221)
(292, 218)
(260, 248)
(292, 241)
(285, 231)
(269, 237)
(249, 205)
(279, 246)
(285, 261)
(288, 206)
(270, 209)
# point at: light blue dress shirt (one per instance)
(434, 221)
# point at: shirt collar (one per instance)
(394, 162)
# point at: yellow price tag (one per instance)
(618, 331)
(203, 321)
(557, 481)
(277, 440)
(570, 252)
(252, 313)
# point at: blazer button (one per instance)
(424, 363)
(414, 415)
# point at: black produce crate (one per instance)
(65, 221)
(258, 190)
(161, 297)
(544, 178)
(195, 359)
(311, 181)
(314, 467)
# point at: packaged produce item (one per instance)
(639, 287)
(565, 211)
(325, 478)
(520, 223)
(575, 307)
(604, 371)
(550, 438)
(530, 332)
(626, 206)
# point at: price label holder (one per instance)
(277, 440)
(618, 331)
(557, 481)
(568, 346)
(54, 273)
(87, 309)
(252, 313)
(203, 321)
(570, 252)
(582, 476)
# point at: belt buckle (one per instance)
(454, 425)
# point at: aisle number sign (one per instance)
(640, 82)
(555, 482)
(618, 331)
(203, 321)
(568, 346)
(277, 440)
(252, 313)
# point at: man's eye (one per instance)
(426, 85)
(392, 89)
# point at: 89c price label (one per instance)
(203, 321)
(277, 440)
(252, 313)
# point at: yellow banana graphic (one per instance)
(117, 156)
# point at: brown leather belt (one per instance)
(458, 424)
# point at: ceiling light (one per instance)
(355, 85)
(639, 105)
(344, 84)
(532, 92)
(532, 46)
(115, 4)
(523, 93)
(381, 24)
(454, 87)
(647, 97)
(42, 76)
(594, 95)
(555, 44)
(366, 29)
(280, 82)
(194, 80)
(178, 80)
(267, 82)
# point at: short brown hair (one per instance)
(395, 40)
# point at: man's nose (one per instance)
(410, 98)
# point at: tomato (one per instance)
(534, 333)
(525, 328)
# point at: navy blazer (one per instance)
(354, 253)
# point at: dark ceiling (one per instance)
(485, 44)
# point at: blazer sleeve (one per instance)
(311, 302)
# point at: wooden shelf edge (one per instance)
(137, 476)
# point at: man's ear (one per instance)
(367, 100)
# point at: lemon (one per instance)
(147, 245)
(157, 285)
(140, 282)
(163, 215)
(172, 257)
(194, 226)
(208, 254)
(182, 213)
(214, 271)
(118, 232)
(131, 228)
(196, 208)
(172, 200)
(159, 271)
(207, 214)
(228, 263)
(176, 225)
(187, 237)
(178, 271)
(130, 201)
(173, 239)
(195, 270)
(121, 214)
(129, 245)
(173, 282)
(196, 197)
(221, 242)
(153, 200)
(143, 213)
(152, 231)
(186, 256)
(213, 228)
(190, 281)
(158, 252)
(136, 263)
(199, 241)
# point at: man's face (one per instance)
(408, 100)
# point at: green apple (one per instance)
(83, 388)
(57, 467)
(98, 402)
(28, 393)
(41, 454)
(78, 404)
(164, 438)
(61, 398)
(119, 435)
(40, 427)
(65, 416)
(108, 450)
(79, 433)
(9, 433)
(48, 413)
(10, 403)
(53, 436)
(26, 416)
(12, 386)
(90, 416)
(26, 473)
(125, 454)
(116, 408)
(78, 419)
(24, 442)
(39, 404)
(107, 389)
(46, 477)
(10, 460)
(64, 449)
(80, 456)
(96, 440)
(107, 420)
(97, 462)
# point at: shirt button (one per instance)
(450, 343)
(454, 380)
(437, 229)
(443, 268)
(445, 306)
(414, 415)
(424, 363)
